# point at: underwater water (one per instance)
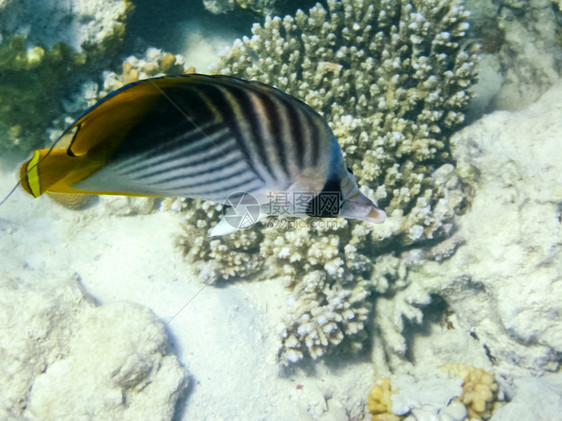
(448, 114)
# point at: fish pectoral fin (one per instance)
(236, 219)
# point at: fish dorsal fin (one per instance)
(113, 116)
(119, 112)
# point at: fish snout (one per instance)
(363, 209)
(376, 215)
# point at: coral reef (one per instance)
(154, 63)
(401, 303)
(236, 255)
(479, 389)
(501, 288)
(392, 81)
(321, 316)
(65, 358)
(327, 301)
(508, 300)
(379, 400)
(41, 49)
(435, 396)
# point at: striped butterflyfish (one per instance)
(217, 138)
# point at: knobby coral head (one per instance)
(392, 79)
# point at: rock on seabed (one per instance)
(63, 357)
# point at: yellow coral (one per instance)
(387, 416)
(129, 74)
(480, 389)
(379, 401)
(167, 62)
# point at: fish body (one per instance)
(207, 137)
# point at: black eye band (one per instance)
(327, 203)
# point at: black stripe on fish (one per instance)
(191, 99)
(297, 134)
(207, 187)
(197, 187)
(271, 107)
(196, 118)
(162, 122)
(187, 157)
(202, 191)
(244, 187)
(250, 115)
(224, 161)
(233, 188)
(194, 141)
(216, 94)
(267, 137)
(306, 138)
(197, 110)
(294, 133)
(315, 138)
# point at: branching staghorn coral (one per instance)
(235, 255)
(392, 80)
(322, 317)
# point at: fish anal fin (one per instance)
(234, 220)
